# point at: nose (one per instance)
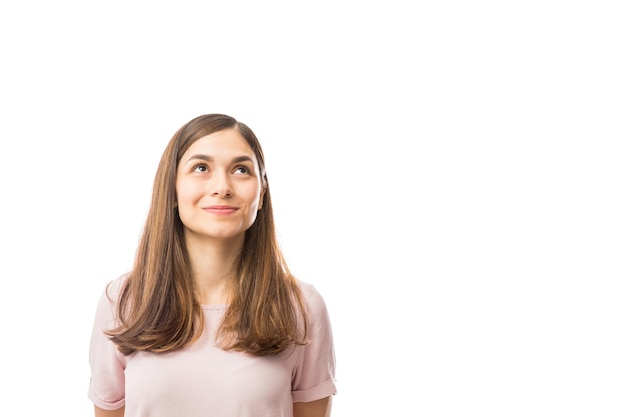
(220, 185)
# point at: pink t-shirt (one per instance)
(203, 380)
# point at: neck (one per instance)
(213, 264)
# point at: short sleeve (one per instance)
(314, 375)
(106, 386)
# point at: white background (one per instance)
(449, 174)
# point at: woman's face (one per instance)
(218, 186)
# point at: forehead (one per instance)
(225, 143)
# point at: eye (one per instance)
(241, 170)
(200, 168)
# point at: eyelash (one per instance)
(206, 168)
(195, 168)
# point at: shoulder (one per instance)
(310, 293)
(114, 287)
(315, 301)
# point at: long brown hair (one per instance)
(157, 307)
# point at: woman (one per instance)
(210, 322)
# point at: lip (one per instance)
(220, 210)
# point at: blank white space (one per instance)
(450, 175)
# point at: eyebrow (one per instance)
(203, 157)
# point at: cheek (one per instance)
(253, 195)
(185, 192)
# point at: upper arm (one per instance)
(107, 364)
(99, 412)
(318, 408)
(313, 375)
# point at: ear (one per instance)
(261, 198)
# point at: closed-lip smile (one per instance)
(220, 209)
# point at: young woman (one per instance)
(209, 321)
